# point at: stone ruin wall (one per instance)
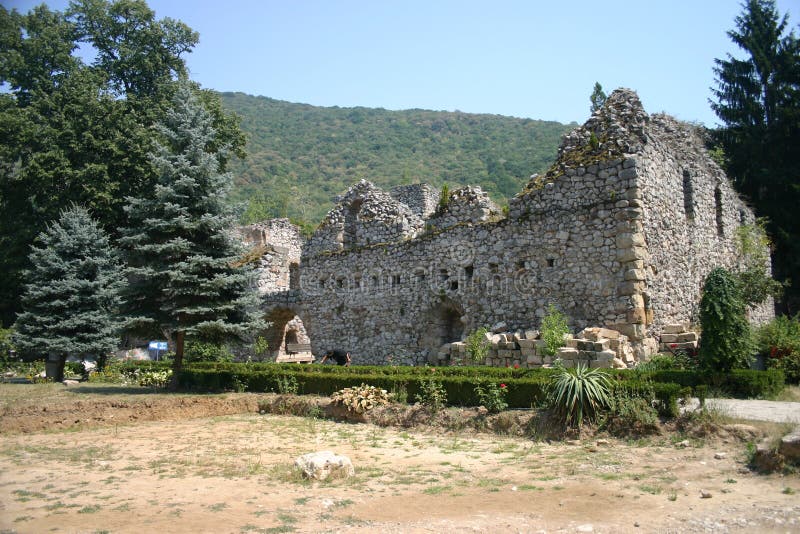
(603, 236)
(690, 221)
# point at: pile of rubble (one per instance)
(593, 347)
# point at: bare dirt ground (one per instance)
(116, 460)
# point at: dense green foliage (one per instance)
(181, 255)
(779, 342)
(72, 292)
(300, 156)
(758, 100)
(77, 132)
(755, 283)
(726, 342)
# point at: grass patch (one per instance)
(436, 490)
(89, 509)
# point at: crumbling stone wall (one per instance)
(605, 235)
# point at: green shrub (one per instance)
(554, 327)
(432, 394)
(630, 414)
(779, 342)
(201, 351)
(492, 397)
(726, 342)
(578, 393)
(477, 345)
(287, 385)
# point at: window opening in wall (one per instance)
(374, 280)
(294, 275)
(493, 267)
(688, 195)
(520, 264)
(469, 271)
(395, 280)
(551, 262)
(351, 223)
(718, 207)
(322, 283)
(340, 283)
(356, 282)
(420, 276)
(453, 285)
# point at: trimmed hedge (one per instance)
(739, 383)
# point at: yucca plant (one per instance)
(577, 393)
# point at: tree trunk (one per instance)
(177, 363)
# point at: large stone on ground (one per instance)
(790, 446)
(324, 464)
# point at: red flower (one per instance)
(516, 366)
(433, 369)
(502, 386)
(673, 345)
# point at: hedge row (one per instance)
(741, 383)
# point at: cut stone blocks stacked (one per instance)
(594, 347)
(677, 337)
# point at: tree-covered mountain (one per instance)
(300, 156)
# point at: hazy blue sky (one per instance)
(536, 59)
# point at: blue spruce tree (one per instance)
(72, 293)
(185, 275)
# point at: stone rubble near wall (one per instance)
(593, 347)
(611, 235)
(423, 199)
(465, 205)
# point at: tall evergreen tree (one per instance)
(72, 293)
(597, 98)
(182, 255)
(758, 100)
(77, 132)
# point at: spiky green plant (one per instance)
(578, 393)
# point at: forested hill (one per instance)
(300, 156)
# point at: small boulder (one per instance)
(790, 446)
(324, 464)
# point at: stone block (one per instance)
(606, 355)
(507, 354)
(568, 363)
(527, 343)
(533, 359)
(571, 343)
(688, 336)
(584, 345)
(635, 274)
(604, 364)
(531, 334)
(631, 254)
(628, 240)
(669, 338)
(567, 353)
(527, 352)
(636, 316)
(675, 328)
(445, 349)
(790, 445)
(629, 288)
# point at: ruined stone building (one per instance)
(619, 233)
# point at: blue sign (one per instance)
(158, 345)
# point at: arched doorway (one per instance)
(286, 335)
(445, 325)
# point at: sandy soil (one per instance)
(148, 463)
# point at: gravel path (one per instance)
(754, 410)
